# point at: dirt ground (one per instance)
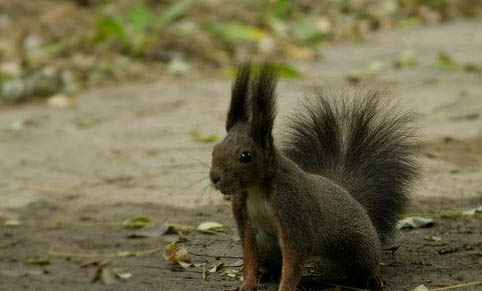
(125, 151)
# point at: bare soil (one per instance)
(125, 152)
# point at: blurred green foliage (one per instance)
(112, 40)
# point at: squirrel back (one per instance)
(362, 143)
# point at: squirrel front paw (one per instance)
(246, 287)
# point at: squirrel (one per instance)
(334, 188)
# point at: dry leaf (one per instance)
(421, 287)
(123, 276)
(185, 265)
(60, 101)
(176, 254)
(176, 229)
(215, 268)
(415, 222)
(103, 274)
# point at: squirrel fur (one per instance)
(335, 188)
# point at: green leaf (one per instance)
(473, 212)
(445, 62)
(141, 16)
(305, 31)
(211, 227)
(235, 32)
(136, 222)
(12, 223)
(284, 71)
(406, 59)
(288, 72)
(196, 135)
(174, 11)
(451, 214)
(41, 261)
(110, 28)
(279, 8)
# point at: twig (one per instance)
(346, 287)
(475, 283)
(211, 256)
(111, 255)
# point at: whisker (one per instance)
(184, 189)
(208, 186)
(197, 160)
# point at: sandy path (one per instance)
(130, 143)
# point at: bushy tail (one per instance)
(362, 143)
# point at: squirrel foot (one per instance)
(246, 287)
(376, 283)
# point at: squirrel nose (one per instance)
(215, 177)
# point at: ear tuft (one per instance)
(263, 105)
(238, 110)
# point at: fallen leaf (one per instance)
(215, 268)
(236, 263)
(353, 79)
(12, 223)
(445, 62)
(375, 67)
(175, 238)
(415, 222)
(176, 229)
(178, 66)
(176, 254)
(61, 101)
(136, 222)
(473, 212)
(407, 58)
(211, 227)
(41, 261)
(473, 68)
(184, 264)
(451, 214)
(421, 287)
(196, 135)
(434, 238)
(125, 254)
(86, 122)
(91, 263)
(123, 276)
(103, 274)
(236, 31)
(16, 126)
(137, 235)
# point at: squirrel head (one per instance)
(243, 159)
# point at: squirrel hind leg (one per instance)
(371, 280)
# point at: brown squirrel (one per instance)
(334, 189)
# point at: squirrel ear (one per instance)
(238, 110)
(263, 105)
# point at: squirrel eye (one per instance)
(245, 157)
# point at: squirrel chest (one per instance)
(261, 213)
